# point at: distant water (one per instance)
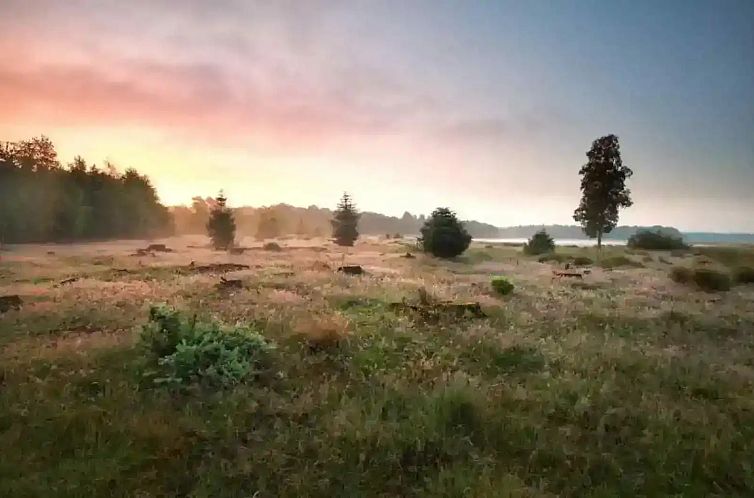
(559, 242)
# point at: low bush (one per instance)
(502, 285)
(707, 279)
(582, 261)
(655, 241)
(730, 256)
(711, 280)
(618, 261)
(552, 257)
(272, 246)
(188, 351)
(744, 275)
(323, 331)
(681, 274)
(540, 243)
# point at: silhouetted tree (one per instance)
(443, 235)
(42, 201)
(221, 226)
(603, 187)
(539, 243)
(345, 222)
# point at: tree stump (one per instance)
(351, 270)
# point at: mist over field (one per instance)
(376, 249)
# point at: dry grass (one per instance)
(609, 386)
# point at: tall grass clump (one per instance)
(707, 279)
(618, 261)
(711, 280)
(552, 257)
(188, 351)
(681, 274)
(655, 241)
(582, 261)
(744, 275)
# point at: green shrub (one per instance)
(617, 261)
(681, 274)
(501, 285)
(744, 275)
(163, 331)
(221, 226)
(655, 241)
(582, 261)
(272, 246)
(711, 280)
(443, 235)
(540, 243)
(213, 353)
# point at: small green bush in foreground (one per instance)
(502, 285)
(210, 352)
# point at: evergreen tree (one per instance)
(603, 185)
(539, 243)
(345, 222)
(221, 226)
(443, 235)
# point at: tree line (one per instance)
(42, 200)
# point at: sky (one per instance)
(487, 107)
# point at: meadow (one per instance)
(620, 383)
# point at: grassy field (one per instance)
(623, 383)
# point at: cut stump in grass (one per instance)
(226, 283)
(158, 248)
(351, 270)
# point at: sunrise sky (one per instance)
(486, 107)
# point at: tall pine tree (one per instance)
(345, 222)
(221, 226)
(603, 185)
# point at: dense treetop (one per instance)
(44, 201)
